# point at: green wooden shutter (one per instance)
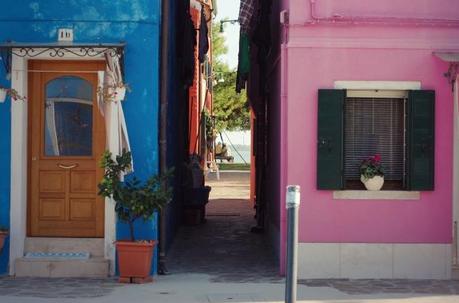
(330, 139)
(420, 139)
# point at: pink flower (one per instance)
(377, 158)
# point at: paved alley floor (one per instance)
(224, 247)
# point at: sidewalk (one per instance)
(190, 288)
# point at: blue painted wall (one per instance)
(136, 22)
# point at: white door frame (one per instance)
(19, 172)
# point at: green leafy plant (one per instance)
(134, 199)
(371, 167)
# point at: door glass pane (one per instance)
(68, 117)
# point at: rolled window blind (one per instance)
(374, 126)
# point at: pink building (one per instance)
(361, 78)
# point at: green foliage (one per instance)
(230, 109)
(133, 199)
(371, 167)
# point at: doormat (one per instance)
(58, 255)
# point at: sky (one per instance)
(229, 9)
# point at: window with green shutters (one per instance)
(352, 128)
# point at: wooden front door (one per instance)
(66, 141)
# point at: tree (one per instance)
(231, 109)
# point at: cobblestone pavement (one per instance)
(57, 287)
(392, 286)
(224, 247)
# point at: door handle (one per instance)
(67, 166)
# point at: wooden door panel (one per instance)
(82, 182)
(52, 209)
(66, 141)
(52, 181)
(82, 209)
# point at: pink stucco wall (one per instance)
(319, 54)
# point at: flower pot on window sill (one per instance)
(3, 93)
(375, 183)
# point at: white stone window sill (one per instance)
(376, 195)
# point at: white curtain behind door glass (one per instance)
(115, 123)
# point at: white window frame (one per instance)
(381, 89)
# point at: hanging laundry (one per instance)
(243, 67)
(203, 37)
(186, 37)
(246, 11)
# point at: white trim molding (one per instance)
(299, 39)
(18, 185)
(374, 261)
(376, 195)
(378, 85)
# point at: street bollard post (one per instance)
(292, 205)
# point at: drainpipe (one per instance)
(391, 21)
(162, 270)
(285, 23)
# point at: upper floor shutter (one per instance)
(330, 139)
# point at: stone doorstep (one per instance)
(94, 246)
(93, 267)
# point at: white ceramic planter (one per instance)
(120, 93)
(3, 92)
(375, 183)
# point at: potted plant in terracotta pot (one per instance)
(372, 173)
(134, 200)
(4, 231)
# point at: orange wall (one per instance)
(194, 101)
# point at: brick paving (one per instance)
(57, 287)
(224, 247)
(387, 286)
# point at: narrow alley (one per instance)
(223, 246)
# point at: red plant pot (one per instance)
(134, 260)
(3, 236)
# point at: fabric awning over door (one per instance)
(115, 123)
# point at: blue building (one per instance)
(57, 54)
